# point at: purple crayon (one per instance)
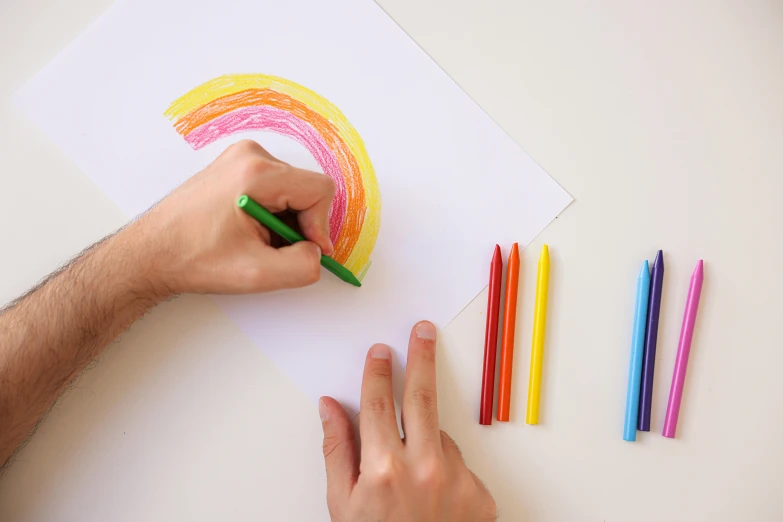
(650, 343)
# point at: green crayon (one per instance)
(271, 222)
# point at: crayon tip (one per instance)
(658, 263)
(543, 260)
(699, 270)
(645, 271)
(513, 256)
(496, 255)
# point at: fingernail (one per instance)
(380, 351)
(426, 331)
(323, 411)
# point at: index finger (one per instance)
(420, 400)
(377, 420)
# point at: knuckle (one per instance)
(424, 399)
(328, 184)
(312, 277)
(380, 404)
(330, 445)
(249, 168)
(430, 473)
(254, 275)
(313, 270)
(244, 146)
(386, 470)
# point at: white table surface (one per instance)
(664, 120)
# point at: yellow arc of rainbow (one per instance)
(237, 103)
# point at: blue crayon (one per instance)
(637, 353)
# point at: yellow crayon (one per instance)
(539, 327)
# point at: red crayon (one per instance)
(491, 338)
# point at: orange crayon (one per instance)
(509, 324)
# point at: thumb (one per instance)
(340, 453)
(291, 266)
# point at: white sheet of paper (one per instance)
(452, 182)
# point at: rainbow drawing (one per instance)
(257, 102)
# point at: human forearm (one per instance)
(49, 335)
(195, 241)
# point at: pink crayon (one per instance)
(683, 351)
